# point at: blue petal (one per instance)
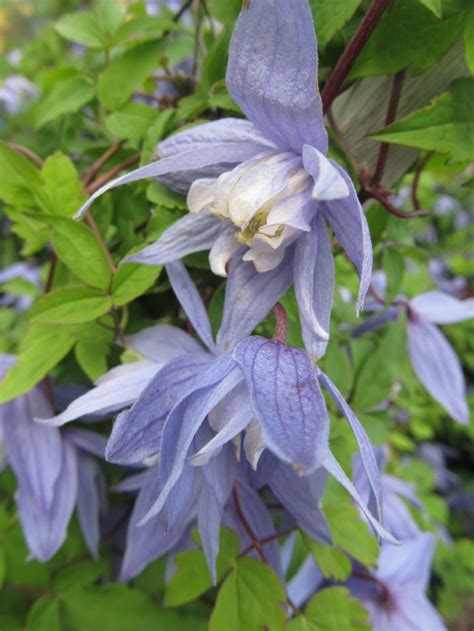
(438, 368)
(301, 496)
(272, 72)
(250, 296)
(192, 233)
(287, 401)
(440, 308)
(347, 220)
(162, 342)
(137, 433)
(314, 280)
(88, 502)
(365, 447)
(214, 383)
(92, 442)
(189, 298)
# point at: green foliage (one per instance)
(64, 97)
(332, 609)
(330, 16)
(251, 597)
(72, 305)
(446, 125)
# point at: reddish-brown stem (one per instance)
(346, 61)
(247, 527)
(27, 152)
(98, 164)
(376, 581)
(96, 184)
(281, 327)
(416, 180)
(382, 198)
(268, 539)
(95, 229)
(389, 118)
(52, 269)
(376, 295)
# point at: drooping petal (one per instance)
(149, 541)
(219, 476)
(334, 468)
(347, 220)
(287, 401)
(301, 496)
(214, 383)
(328, 181)
(235, 423)
(365, 447)
(438, 368)
(440, 308)
(408, 565)
(305, 582)
(45, 527)
(163, 342)
(189, 298)
(193, 158)
(115, 390)
(272, 72)
(91, 442)
(137, 433)
(34, 452)
(250, 295)
(419, 612)
(191, 233)
(314, 280)
(88, 502)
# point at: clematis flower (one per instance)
(433, 359)
(395, 594)
(54, 472)
(265, 183)
(260, 392)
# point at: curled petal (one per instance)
(328, 181)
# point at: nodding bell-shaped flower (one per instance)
(263, 188)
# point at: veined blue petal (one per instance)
(272, 72)
(88, 502)
(287, 401)
(162, 343)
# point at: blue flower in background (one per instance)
(263, 187)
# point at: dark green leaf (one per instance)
(433, 5)
(65, 97)
(62, 185)
(78, 248)
(394, 268)
(127, 72)
(469, 41)
(446, 125)
(131, 122)
(330, 16)
(20, 182)
(44, 615)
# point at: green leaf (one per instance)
(350, 533)
(394, 268)
(20, 183)
(78, 248)
(469, 41)
(131, 122)
(81, 27)
(43, 348)
(446, 125)
(2, 565)
(164, 197)
(133, 280)
(65, 97)
(192, 577)
(156, 132)
(330, 16)
(79, 575)
(118, 608)
(71, 305)
(338, 366)
(109, 16)
(226, 12)
(332, 609)
(433, 5)
(332, 562)
(376, 375)
(145, 27)
(251, 598)
(128, 72)
(386, 51)
(62, 185)
(44, 615)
